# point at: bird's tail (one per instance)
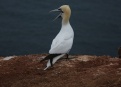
(50, 56)
(54, 60)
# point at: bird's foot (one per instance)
(67, 57)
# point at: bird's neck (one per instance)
(65, 19)
(65, 22)
(65, 26)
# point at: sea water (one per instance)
(26, 26)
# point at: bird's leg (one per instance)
(119, 56)
(67, 56)
(51, 60)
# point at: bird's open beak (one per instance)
(57, 10)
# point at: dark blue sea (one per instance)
(26, 26)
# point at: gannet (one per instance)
(62, 43)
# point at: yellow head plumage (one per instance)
(66, 13)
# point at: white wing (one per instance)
(61, 45)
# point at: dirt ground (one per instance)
(78, 71)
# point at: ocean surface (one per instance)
(26, 26)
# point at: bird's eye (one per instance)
(60, 10)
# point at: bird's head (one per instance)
(65, 13)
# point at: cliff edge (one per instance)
(78, 71)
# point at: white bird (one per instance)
(62, 43)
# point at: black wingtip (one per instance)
(50, 56)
